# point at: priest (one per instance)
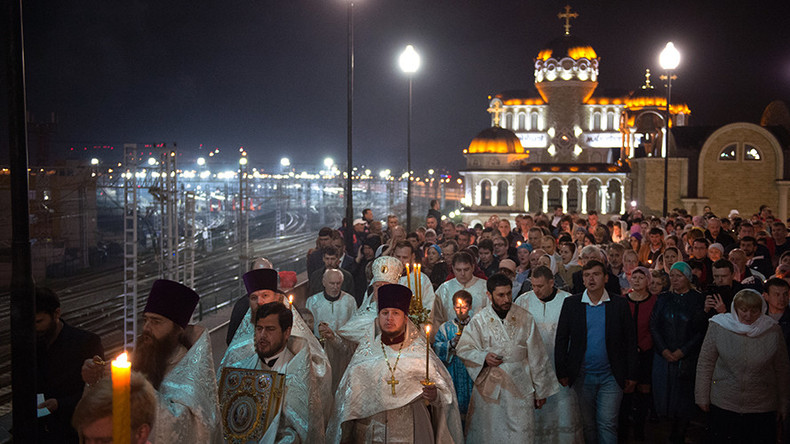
(302, 416)
(331, 309)
(385, 395)
(505, 357)
(176, 359)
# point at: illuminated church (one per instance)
(573, 147)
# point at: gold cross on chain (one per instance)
(392, 382)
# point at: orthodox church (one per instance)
(581, 150)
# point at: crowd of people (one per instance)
(550, 328)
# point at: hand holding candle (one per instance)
(121, 403)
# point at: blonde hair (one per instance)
(96, 403)
(748, 300)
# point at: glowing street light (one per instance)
(151, 161)
(243, 161)
(409, 62)
(201, 161)
(94, 161)
(328, 162)
(669, 59)
(285, 162)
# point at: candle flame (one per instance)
(291, 299)
(122, 361)
(427, 329)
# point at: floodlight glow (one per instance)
(328, 162)
(670, 57)
(409, 60)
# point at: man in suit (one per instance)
(596, 353)
(588, 253)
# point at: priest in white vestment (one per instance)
(331, 309)
(176, 359)
(559, 421)
(362, 326)
(382, 397)
(463, 268)
(261, 285)
(504, 355)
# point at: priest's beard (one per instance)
(394, 337)
(152, 355)
(501, 310)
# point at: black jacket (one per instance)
(59, 376)
(571, 340)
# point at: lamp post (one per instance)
(409, 62)
(349, 235)
(669, 60)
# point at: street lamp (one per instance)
(669, 60)
(285, 162)
(409, 62)
(348, 234)
(201, 161)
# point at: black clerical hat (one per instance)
(172, 300)
(260, 279)
(394, 296)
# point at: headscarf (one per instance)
(644, 271)
(683, 268)
(731, 322)
(437, 248)
(553, 263)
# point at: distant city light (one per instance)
(431, 171)
(243, 161)
(201, 161)
(286, 162)
(151, 161)
(328, 162)
(94, 161)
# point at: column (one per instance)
(584, 199)
(564, 198)
(545, 198)
(604, 193)
(782, 209)
(622, 197)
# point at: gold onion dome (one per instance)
(496, 140)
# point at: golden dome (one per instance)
(496, 140)
(567, 46)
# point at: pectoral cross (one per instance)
(392, 382)
(567, 15)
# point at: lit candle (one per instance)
(121, 404)
(419, 277)
(408, 275)
(427, 350)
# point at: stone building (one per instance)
(584, 150)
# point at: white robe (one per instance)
(502, 406)
(335, 314)
(310, 414)
(187, 401)
(366, 411)
(443, 306)
(559, 421)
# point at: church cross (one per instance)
(497, 110)
(392, 382)
(647, 84)
(567, 15)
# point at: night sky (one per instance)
(271, 76)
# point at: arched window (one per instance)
(522, 121)
(485, 193)
(751, 153)
(596, 121)
(610, 121)
(502, 194)
(533, 121)
(509, 121)
(729, 152)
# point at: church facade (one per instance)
(572, 147)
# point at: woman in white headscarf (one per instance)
(549, 261)
(743, 373)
